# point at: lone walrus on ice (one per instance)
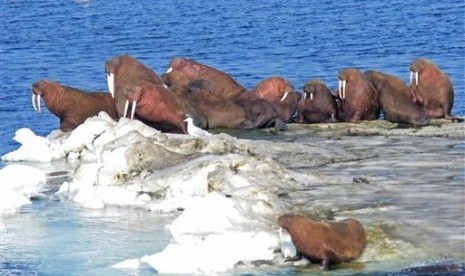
(325, 242)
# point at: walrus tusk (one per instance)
(126, 105)
(169, 70)
(411, 77)
(311, 96)
(284, 96)
(111, 83)
(281, 235)
(416, 78)
(36, 103)
(133, 111)
(339, 89)
(305, 96)
(344, 82)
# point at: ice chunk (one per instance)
(19, 184)
(33, 148)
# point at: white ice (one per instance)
(229, 197)
(18, 184)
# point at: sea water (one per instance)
(405, 185)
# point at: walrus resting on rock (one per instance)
(325, 242)
(124, 72)
(71, 105)
(395, 101)
(160, 108)
(432, 89)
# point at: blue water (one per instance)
(69, 41)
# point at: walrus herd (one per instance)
(192, 96)
(213, 99)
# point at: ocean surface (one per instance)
(69, 42)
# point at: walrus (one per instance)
(71, 105)
(318, 104)
(325, 242)
(159, 107)
(219, 112)
(123, 72)
(394, 99)
(358, 97)
(225, 86)
(177, 82)
(280, 93)
(261, 113)
(432, 89)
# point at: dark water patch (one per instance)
(18, 268)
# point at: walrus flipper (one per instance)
(327, 257)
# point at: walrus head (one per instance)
(416, 67)
(39, 90)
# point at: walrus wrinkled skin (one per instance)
(225, 86)
(219, 112)
(358, 98)
(124, 72)
(325, 242)
(71, 105)
(158, 107)
(318, 104)
(280, 93)
(432, 89)
(394, 100)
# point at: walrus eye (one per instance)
(111, 84)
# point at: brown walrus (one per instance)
(325, 242)
(432, 89)
(280, 93)
(318, 105)
(225, 86)
(71, 105)
(219, 112)
(394, 99)
(160, 108)
(124, 72)
(358, 97)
